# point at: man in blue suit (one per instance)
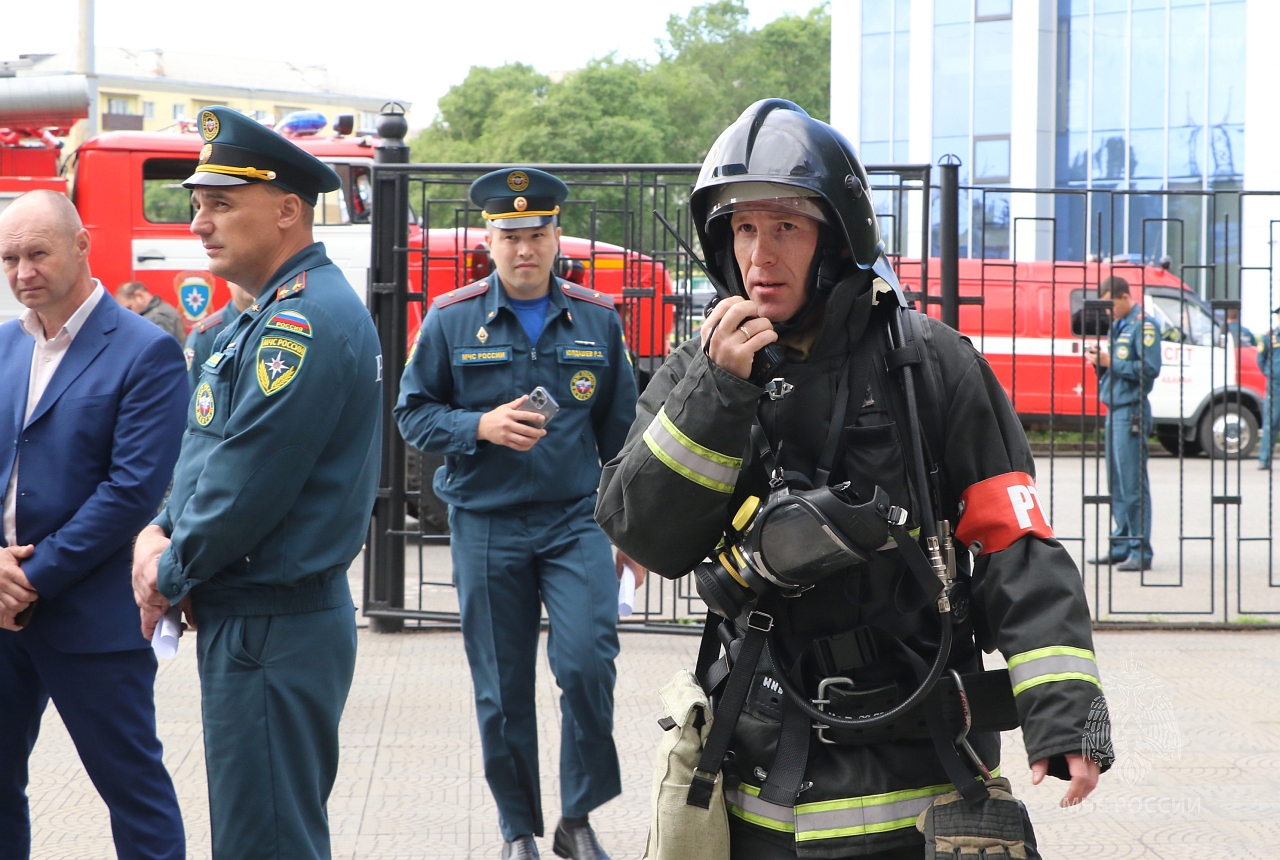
(92, 404)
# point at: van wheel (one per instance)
(1228, 431)
(1169, 436)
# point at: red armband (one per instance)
(997, 512)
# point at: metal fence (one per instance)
(1015, 269)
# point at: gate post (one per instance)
(388, 286)
(949, 238)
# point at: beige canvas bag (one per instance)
(678, 831)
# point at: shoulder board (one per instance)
(596, 297)
(299, 284)
(210, 321)
(470, 291)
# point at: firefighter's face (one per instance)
(774, 252)
(524, 258)
(44, 253)
(242, 228)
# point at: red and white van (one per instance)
(1032, 330)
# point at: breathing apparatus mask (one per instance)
(792, 542)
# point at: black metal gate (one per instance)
(1015, 269)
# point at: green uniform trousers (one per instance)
(272, 691)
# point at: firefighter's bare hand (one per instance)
(503, 426)
(736, 334)
(621, 560)
(1084, 777)
(1101, 359)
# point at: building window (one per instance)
(118, 105)
(148, 110)
(179, 112)
(992, 10)
(991, 158)
(1150, 97)
(886, 58)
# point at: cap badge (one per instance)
(209, 124)
(205, 152)
(518, 181)
(521, 204)
(482, 335)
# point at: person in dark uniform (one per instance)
(521, 496)
(1126, 375)
(135, 296)
(200, 342)
(271, 496)
(1268, 362)
(783, 211)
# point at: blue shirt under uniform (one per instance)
(532, 314)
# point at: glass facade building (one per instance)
(1123, 96)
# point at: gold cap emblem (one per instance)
(518, 181)
(209, 125)
(521, 204)
(205, 152)
(482, 335)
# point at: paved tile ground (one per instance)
(1196, 727)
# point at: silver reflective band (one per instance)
(1054, 663)
(836, 819)
(682, 455)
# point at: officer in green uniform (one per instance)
(1269, 363)
(271, 496)
(1126, 375)
(204, 333)
(521, 497)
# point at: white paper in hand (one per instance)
(626, 591)
(164, 641)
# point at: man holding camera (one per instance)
(803, 489)
(522, 381)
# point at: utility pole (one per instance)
(85, 65)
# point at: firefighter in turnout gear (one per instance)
(867, 394)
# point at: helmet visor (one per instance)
(765, 197)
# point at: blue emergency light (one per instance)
(301, 123)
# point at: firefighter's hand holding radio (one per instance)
(829, 510)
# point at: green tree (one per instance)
(711, 66)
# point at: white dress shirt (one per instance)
(45, 358)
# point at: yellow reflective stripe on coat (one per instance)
(687, 458)
(836, 819)
(1055, 663)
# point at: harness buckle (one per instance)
(897, 516)
(823, 700)
(764, 626)
(778, 388)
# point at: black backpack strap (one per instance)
(790, 757)
(737, 687)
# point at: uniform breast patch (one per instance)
(204, 404)
(474, 355)
(590, 354)
(290, 321)
(279, 362)
(583, 385)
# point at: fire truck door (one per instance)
(342, 224)
(164, 254)
(1193, 359)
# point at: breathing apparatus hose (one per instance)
(929, 529)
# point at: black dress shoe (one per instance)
(520, 848)
(1108, 559)
(576, 840)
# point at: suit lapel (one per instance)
(15, 358)
(84, 349)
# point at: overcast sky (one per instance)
(403, 49)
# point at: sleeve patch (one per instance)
(997, 512)
(279, 362)
(290, 321)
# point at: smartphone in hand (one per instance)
(541, 401)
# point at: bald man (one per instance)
(92, 406)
